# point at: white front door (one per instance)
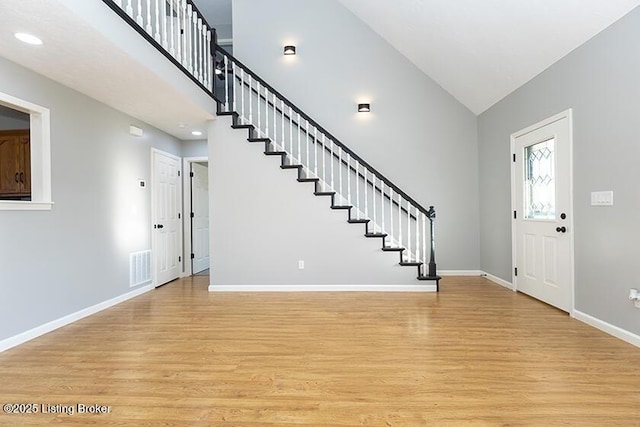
(200, 219)
(166, 216)
(543, 217)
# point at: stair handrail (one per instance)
(307, 118)
(317, 141)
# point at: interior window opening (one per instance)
(15, 154)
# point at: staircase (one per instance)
(337, 173)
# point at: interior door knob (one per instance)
(562, 229)
(162, 226)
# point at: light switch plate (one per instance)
(602, 198)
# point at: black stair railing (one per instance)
(388, 211)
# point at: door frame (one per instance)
(187, 269)
(154, 243)
(567, 114)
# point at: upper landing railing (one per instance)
(178, 30)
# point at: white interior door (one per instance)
(543, 217)
(166, 217)
(200, 220)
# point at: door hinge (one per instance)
(193, 215)
(191, 174)
(179, 259)
(178, 173)
(179, 216)
(515, 215)
(193, 256)
(514, 157)
(516, 271)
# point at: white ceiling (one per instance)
(482, 50)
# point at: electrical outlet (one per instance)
(633, 294)
(301, 265)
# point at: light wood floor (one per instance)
(475, 354)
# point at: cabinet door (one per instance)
(10, 158)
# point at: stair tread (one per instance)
(242, 126)
(324, 193)
(375, 235)
(392, 249)
(308, 180)
(275, 153)
(358, 221)
(410, 264)
(429, 277)
(258, 140)
(290, 166)
(341, 207)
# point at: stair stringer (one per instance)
(263, 221)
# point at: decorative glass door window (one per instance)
(539, 180)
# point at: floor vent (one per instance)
(139, 268)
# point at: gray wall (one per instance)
(54, 263)
(600, 82)
(218, 14)
(13, 119)
(417, 134)
(196, 148)
(263, 222)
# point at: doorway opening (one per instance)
(196, 224)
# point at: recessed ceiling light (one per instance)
(28, 38)
(196, 133)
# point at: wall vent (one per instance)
(139, 268)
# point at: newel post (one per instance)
(431, 214)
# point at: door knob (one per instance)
(160, 226)
(562, 229)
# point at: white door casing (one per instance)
(542, 204)
(166, 216)
(200, 220)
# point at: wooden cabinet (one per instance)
(15, 164)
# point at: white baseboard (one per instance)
(617, 332)
(426, 287)
(499, 281)
(460, 273)
(66, 320)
